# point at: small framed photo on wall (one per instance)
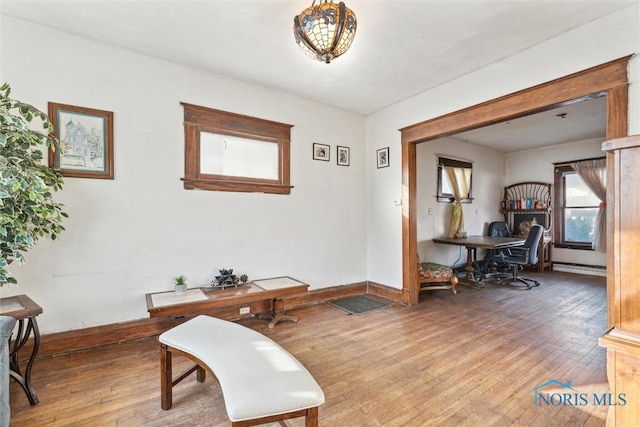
(382, 156)
(343, 158)
(321, 152)
(86, 141)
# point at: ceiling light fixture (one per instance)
(326, 30)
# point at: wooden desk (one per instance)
(22, 308)
(199, 299)
(472, 243)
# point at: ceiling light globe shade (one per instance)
(325, 31)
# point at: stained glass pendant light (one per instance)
(326, 30)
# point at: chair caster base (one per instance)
(501, 280)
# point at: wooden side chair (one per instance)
(436, 276)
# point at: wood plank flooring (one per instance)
(470, 359)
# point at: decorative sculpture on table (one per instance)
(227, 279)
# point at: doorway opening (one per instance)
(609, 79)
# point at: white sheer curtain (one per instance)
(460, 179)
(594, 175)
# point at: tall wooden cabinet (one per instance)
(623, 278)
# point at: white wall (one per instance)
(597, 42)
(537, 165)
(130, 236)
(487, 191)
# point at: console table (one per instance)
(204, 298)
(22, 308)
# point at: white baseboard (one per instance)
(581, 269)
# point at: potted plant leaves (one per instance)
(181, 284)
(27, 209)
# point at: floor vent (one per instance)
(581, 269)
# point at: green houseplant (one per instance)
(181, 284)
(27, 209)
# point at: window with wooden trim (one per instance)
(576, 210)
(232, 152)
(445, 186)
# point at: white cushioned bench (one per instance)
(261, 381)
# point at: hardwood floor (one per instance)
(471, 359)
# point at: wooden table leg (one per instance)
(470, 269)
(277, 313)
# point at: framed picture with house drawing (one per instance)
(86, 141)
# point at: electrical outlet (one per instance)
(245, 310)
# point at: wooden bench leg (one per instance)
(201, 374)
(311, 420)
(166, 378)
(166, 374)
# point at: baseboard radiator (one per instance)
(580, 269)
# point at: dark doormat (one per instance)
(358, 304)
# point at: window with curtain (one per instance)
(454, 185)
(445, 186)
(579, 194)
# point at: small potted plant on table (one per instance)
(181, 284)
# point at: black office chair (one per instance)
(493, 261)
(498, 229)
(524, 255)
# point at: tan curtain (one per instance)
(594, 175)
(460, 179)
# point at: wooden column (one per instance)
(410, 280)
(623, 244)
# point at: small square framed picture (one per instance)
(382, 156)
(343, 156)
(321, 152)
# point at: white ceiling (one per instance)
(576, 122)
(401, 48)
